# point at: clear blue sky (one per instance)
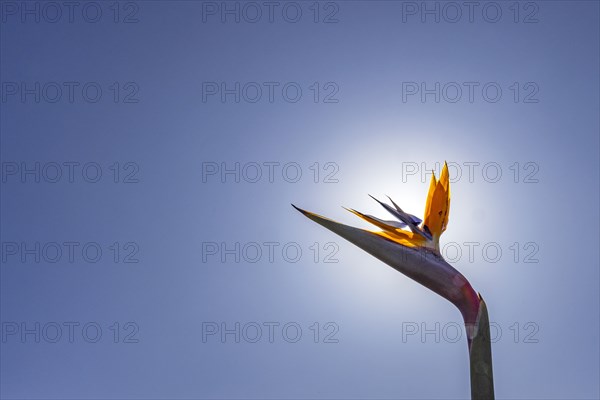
(200, 126)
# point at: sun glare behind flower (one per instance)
(416, 253)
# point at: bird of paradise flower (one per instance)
(416, 253)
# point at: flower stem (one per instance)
(480, 356)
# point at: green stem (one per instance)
(480, 356)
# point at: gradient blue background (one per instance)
(370, 134)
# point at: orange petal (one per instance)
(437, 207)
(432, 185)
(400, 236)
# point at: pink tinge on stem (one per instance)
(469, 306)
(439, 276)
